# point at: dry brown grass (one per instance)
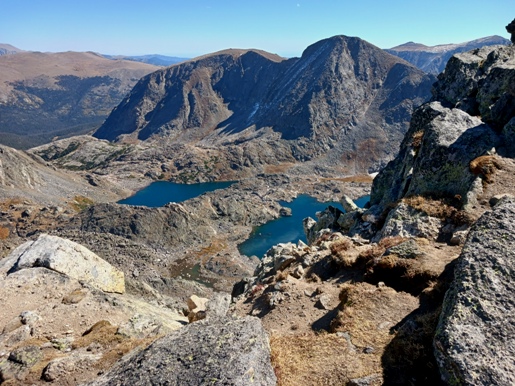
(416, 140)
(4, 233)
(358, 178)
(311, 360)
(6, 204)
(343, 256)
(216, 246)
(377, 250)
(278, 169)
(103, 333)
(80, 203)
(485, 166)
(442, 209)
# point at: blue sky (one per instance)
(194, 27)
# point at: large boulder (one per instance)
(474, 343)
(435, 155)
(223, 351)
(66, 257)
(482, 83)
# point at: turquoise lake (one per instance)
(160, 193)
(287, 229)
(281, 230)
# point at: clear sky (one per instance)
(189, 28)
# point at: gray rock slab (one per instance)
(69, 258)
(221, 352)
(475, 339)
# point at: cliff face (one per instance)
(343, 94)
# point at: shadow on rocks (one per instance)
(408, 359)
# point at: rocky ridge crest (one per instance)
(343, 96)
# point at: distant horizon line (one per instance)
(187, 57)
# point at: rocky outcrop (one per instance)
(480, 82)
(342, 94)
(433, 59)
(450, 148)
(435, 155)
(224, 351)
(68, 258)
(57, 323)
(474, 340)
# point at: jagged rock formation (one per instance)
(443, 141)
(451, 151)
(434, 59)
(47, 95)
(342, 94)
(474, 339)
(511, 30)
(480, 82)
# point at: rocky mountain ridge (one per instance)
(433, 59)
(344, 96)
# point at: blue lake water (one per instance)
(287, 229)
(281, 230)
(160, 193)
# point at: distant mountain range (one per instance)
(341, 89)
(48, 95)
(432, 59)
(7, 49)
(156, 60)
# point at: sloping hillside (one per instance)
(47, 95)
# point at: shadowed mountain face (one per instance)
(433, 59)
(343, 94)
(47, 95)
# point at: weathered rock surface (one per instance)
(26, 176)
(475, 335)
(481, 83)
(68, 258)
(50, 312)
(226, 351)
(435, 155)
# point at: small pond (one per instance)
(160, 193)
(287, 229)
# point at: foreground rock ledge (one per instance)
(475, 339)
(223, 351)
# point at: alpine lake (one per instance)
(282, 230)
